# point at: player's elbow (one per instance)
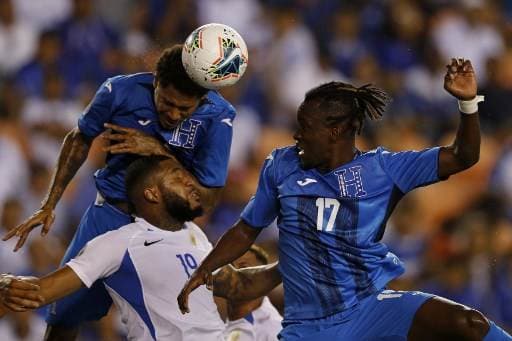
(468, 161)
(466, 157)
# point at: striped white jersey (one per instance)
(262, 324)
(144, 268)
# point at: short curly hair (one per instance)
(170, 71)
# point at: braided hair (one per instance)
(340, 101)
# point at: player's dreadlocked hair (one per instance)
(138, 172)
(170, 71)
(340, 101)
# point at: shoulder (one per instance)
(125, 232)
(280, 163)
(216, 106)
(374, 155)
(197, 236)
(375, 152)
(113, 242)
(285, 158)
(121, 83)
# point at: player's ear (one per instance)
(335, 132)
(151, 194)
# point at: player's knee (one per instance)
(470, 324)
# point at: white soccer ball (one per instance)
(215, 56)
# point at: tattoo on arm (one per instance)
(226, 282)
(246, 283)
(72, 155)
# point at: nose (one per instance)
(174, 115)
(188, 181)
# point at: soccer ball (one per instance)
(215, 56)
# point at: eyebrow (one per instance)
(175, 169)
(181, 107)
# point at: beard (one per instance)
(180, 209)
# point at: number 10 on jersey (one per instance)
(326, 205)
(188, 262)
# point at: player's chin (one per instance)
(194, 201)
(168, 125)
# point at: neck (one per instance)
(161, 219)
(341, 153)
(240, 309)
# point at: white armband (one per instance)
(471, 106)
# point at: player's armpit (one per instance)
(247, 283)
(59, 284)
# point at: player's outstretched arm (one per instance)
(59, 284)
(232, 245)
(246, 283)
(460, 81)
(31, 293)
(72, 155)
(19, 293)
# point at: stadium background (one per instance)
(455, 237)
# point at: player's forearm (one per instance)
(59, 284)
(72, 155)
(232, 245)
(247, 283)
(466, 146)
(465, 150)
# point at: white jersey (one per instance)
(262, 324)
(144, 268)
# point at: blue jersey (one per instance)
(201, 143)
(330, 224)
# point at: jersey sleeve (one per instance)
(263, 207)
(101, 256)
(99, 111)
(411, 169)
(210, 164)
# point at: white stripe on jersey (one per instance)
(144, 269)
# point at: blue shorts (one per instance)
(386, 315)
(93, 303)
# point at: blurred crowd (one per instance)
(455, 237)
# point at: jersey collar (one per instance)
(146, 225)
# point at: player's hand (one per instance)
(19, 293)
(132, 141)
(460, 80)
(45, 217)
(198, 278)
